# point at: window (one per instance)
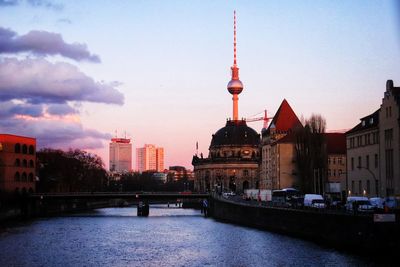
(376, 161)
(24, 149)
(24, 177)
(367, 162)
(30, 177)
(17, 162)
(31, 164)
(359, 162)
(340, 172)
(334, 172)
(340, 161)
(352, 164)
(334, 160)
(368, 186)
(390, 111)
(31, 150)
(17, 148)
(17, 177)
(246, 173)
(329, 172)
(388, 138)
(352, 186)
(329, 160)
(359, 187)
(25, 163)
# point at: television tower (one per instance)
(235, 86)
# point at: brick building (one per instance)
(17, 163)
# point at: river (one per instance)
(168, 237)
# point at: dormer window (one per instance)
(363, 123)
(371, 120)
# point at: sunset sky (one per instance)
(74, 72)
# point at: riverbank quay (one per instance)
(356, 233)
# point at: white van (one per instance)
(314, 201)
(359, 200)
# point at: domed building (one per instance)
(234, 153)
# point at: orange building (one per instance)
(17, 163)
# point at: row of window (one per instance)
(367, 163)
(361, 190)
(364, 140)
(24, 163)
(24, 149)
(333, 160)
(23, 177)
(333, 172)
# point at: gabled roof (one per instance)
(335, 143)
(285, 119)
(367, 122)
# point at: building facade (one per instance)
(120, 155)
(336, 153)
(17, 163)
(150, 158)
(363, 166)
(278, 150)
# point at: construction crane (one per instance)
(265, 119)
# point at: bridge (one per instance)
(121, 195)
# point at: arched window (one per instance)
(30, 177)
(17, 177)
(31, 150)
(31, 164)
(23, 178)
(25, 163)
(24, 149)
(17, 162)
(17, 148)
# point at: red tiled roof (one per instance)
(285, 119)
(335, 143)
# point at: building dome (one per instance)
(235, 133)
(235, 86)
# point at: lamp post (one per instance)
(377, 189)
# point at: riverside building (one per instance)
(233, 159)
(373, 150)
(278, 148)
(17, 163)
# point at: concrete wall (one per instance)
(338, 230)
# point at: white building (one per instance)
(120, 155)
(150, 158)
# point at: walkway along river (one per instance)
(168, 237)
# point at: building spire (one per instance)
(234, 38)
(235, 86)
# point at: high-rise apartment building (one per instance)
(120, 155)
(150, 158)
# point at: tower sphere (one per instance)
(235, 86)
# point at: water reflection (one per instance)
(168, 237)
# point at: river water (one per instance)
(168, 237)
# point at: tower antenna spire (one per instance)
(234, 38)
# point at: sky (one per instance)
(73, 74)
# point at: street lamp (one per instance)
(377, 189)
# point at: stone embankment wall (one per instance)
(347, 231)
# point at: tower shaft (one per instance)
(235, 99)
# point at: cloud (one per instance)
(64, 20)
(61, 109)
(40, 81)
(9, 2)
(43, 43)
(56, 133)
(46, 4)
(34, 3)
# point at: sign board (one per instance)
(384, 217)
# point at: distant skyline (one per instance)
(74, 72)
